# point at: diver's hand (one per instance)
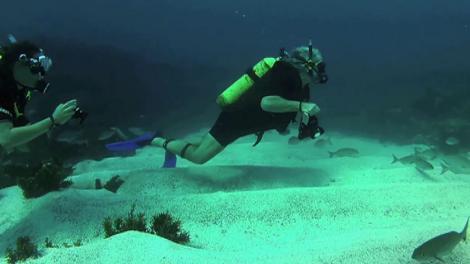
(64, 112)
(310, 109)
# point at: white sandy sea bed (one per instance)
(274, 203)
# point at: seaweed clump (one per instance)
(24, 249)
(165, 226)
(44, 178)
(162, 225)
(120, 225)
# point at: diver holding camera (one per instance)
(267, 97)
(23, 70)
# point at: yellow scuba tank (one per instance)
(245, 82)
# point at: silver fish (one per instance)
(458, 164)
(119, 133)
(423, 164)
(440, 245)
(452, 141)
(410, 159)
(105, 135)
(323, 142)
(70, 136)
(344, 152)
(427, 154)
(137, 131)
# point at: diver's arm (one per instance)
(11, 137)
(278, 104)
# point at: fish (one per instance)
(344, 152)
(119, 133)
(422, 164)
(452, 141)
(137, 131)
(410, 159)
(107, 134)
(440, 245)
(458, 164)
(427, 154)
(323, 142)
(71, 137)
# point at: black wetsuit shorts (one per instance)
(230, 126)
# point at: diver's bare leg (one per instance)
(198, 153)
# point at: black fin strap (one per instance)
(251, 73)
(183, 151)
(259, 137)
(165, 144)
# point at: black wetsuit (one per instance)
(246, 116)
(12, 103)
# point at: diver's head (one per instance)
(27, 65)
(309, 62)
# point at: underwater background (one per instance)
(399, 81)
(380, 55)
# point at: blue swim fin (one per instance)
(129, 147)
(132, 144)
(170, 160)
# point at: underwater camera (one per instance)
(80, 114)
(311, 129)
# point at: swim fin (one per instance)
(132, 144)
(170, 160)
(129, 147)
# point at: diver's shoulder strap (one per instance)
(251, 73)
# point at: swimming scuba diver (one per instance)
(23, 70)
(268, 96)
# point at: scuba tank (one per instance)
(245, 82)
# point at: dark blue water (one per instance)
(379, 54)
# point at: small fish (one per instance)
(137, 131)
(423, 164)
(458, 164)
(119, 133)
(344, 152)
(410, 159)
(427, 154)
(452, 141)
(440, 245)
(105, 135)
(323, 142)
(69, 136)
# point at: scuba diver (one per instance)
(23, 70)
(268, 96)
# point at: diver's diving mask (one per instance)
(38, 64)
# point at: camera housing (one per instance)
(80, 114)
